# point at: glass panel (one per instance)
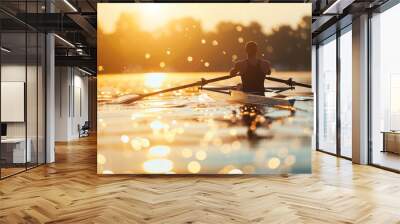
(41, 98)
(327, 96)
(314, 79)
(23, 90)
(13, 86)
(32, 87)
(31, 97)
(385, 87)
(346, 94)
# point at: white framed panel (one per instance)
(12, 101)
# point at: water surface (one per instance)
(189, 131)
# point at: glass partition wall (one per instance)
(334, 94)
(22, 77)
(385, 89)
(327, 95)
(345, 108)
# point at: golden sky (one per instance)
(154, 15)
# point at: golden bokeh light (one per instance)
(203, 41)
(226, 169)
(234, 57)
(240, 40)
(239, 28)
(160, 166)
(159, 151)
(214, 43)
(138, 143)
(235, 171)
(124, 138)
(145, 142)
(207, 64)
(189, 59)
(273, 163)
(147, 56)
(201, 155)
(194, 167)
(162, 64)
(233, 132)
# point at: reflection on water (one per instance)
(189, 132)
(154, 80)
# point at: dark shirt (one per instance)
(252, 73)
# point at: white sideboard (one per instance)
(18, 147)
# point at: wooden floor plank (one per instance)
(70, 191)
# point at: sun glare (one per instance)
(152, 15)
(154, 80)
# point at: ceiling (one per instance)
(75, 21)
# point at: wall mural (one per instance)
(204, 88)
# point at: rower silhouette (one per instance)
(252, 70)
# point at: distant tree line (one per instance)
(183, 46)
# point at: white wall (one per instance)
(71, 103)
(12, 73)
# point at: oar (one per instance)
(202, 82)
(288, 82)
(267, 89)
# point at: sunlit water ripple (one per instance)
(189, 132)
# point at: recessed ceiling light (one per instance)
(84, 71)
(64, 40)
(70, 5)
(5, 50)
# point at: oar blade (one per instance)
(127, 99)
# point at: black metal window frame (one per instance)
(381, 9)
(333, 37)
(30, 29)
(389, 4)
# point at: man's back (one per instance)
(241, 65)
(252, 73)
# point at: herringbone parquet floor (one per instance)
(70, 191)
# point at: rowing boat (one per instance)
(230, 93)
(236, 96)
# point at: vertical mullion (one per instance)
(37, 90)
(45, 87)
(72, 93)
(338, 98)
(369, 89)
(0, 95)
(26, 86)
(317, 97)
